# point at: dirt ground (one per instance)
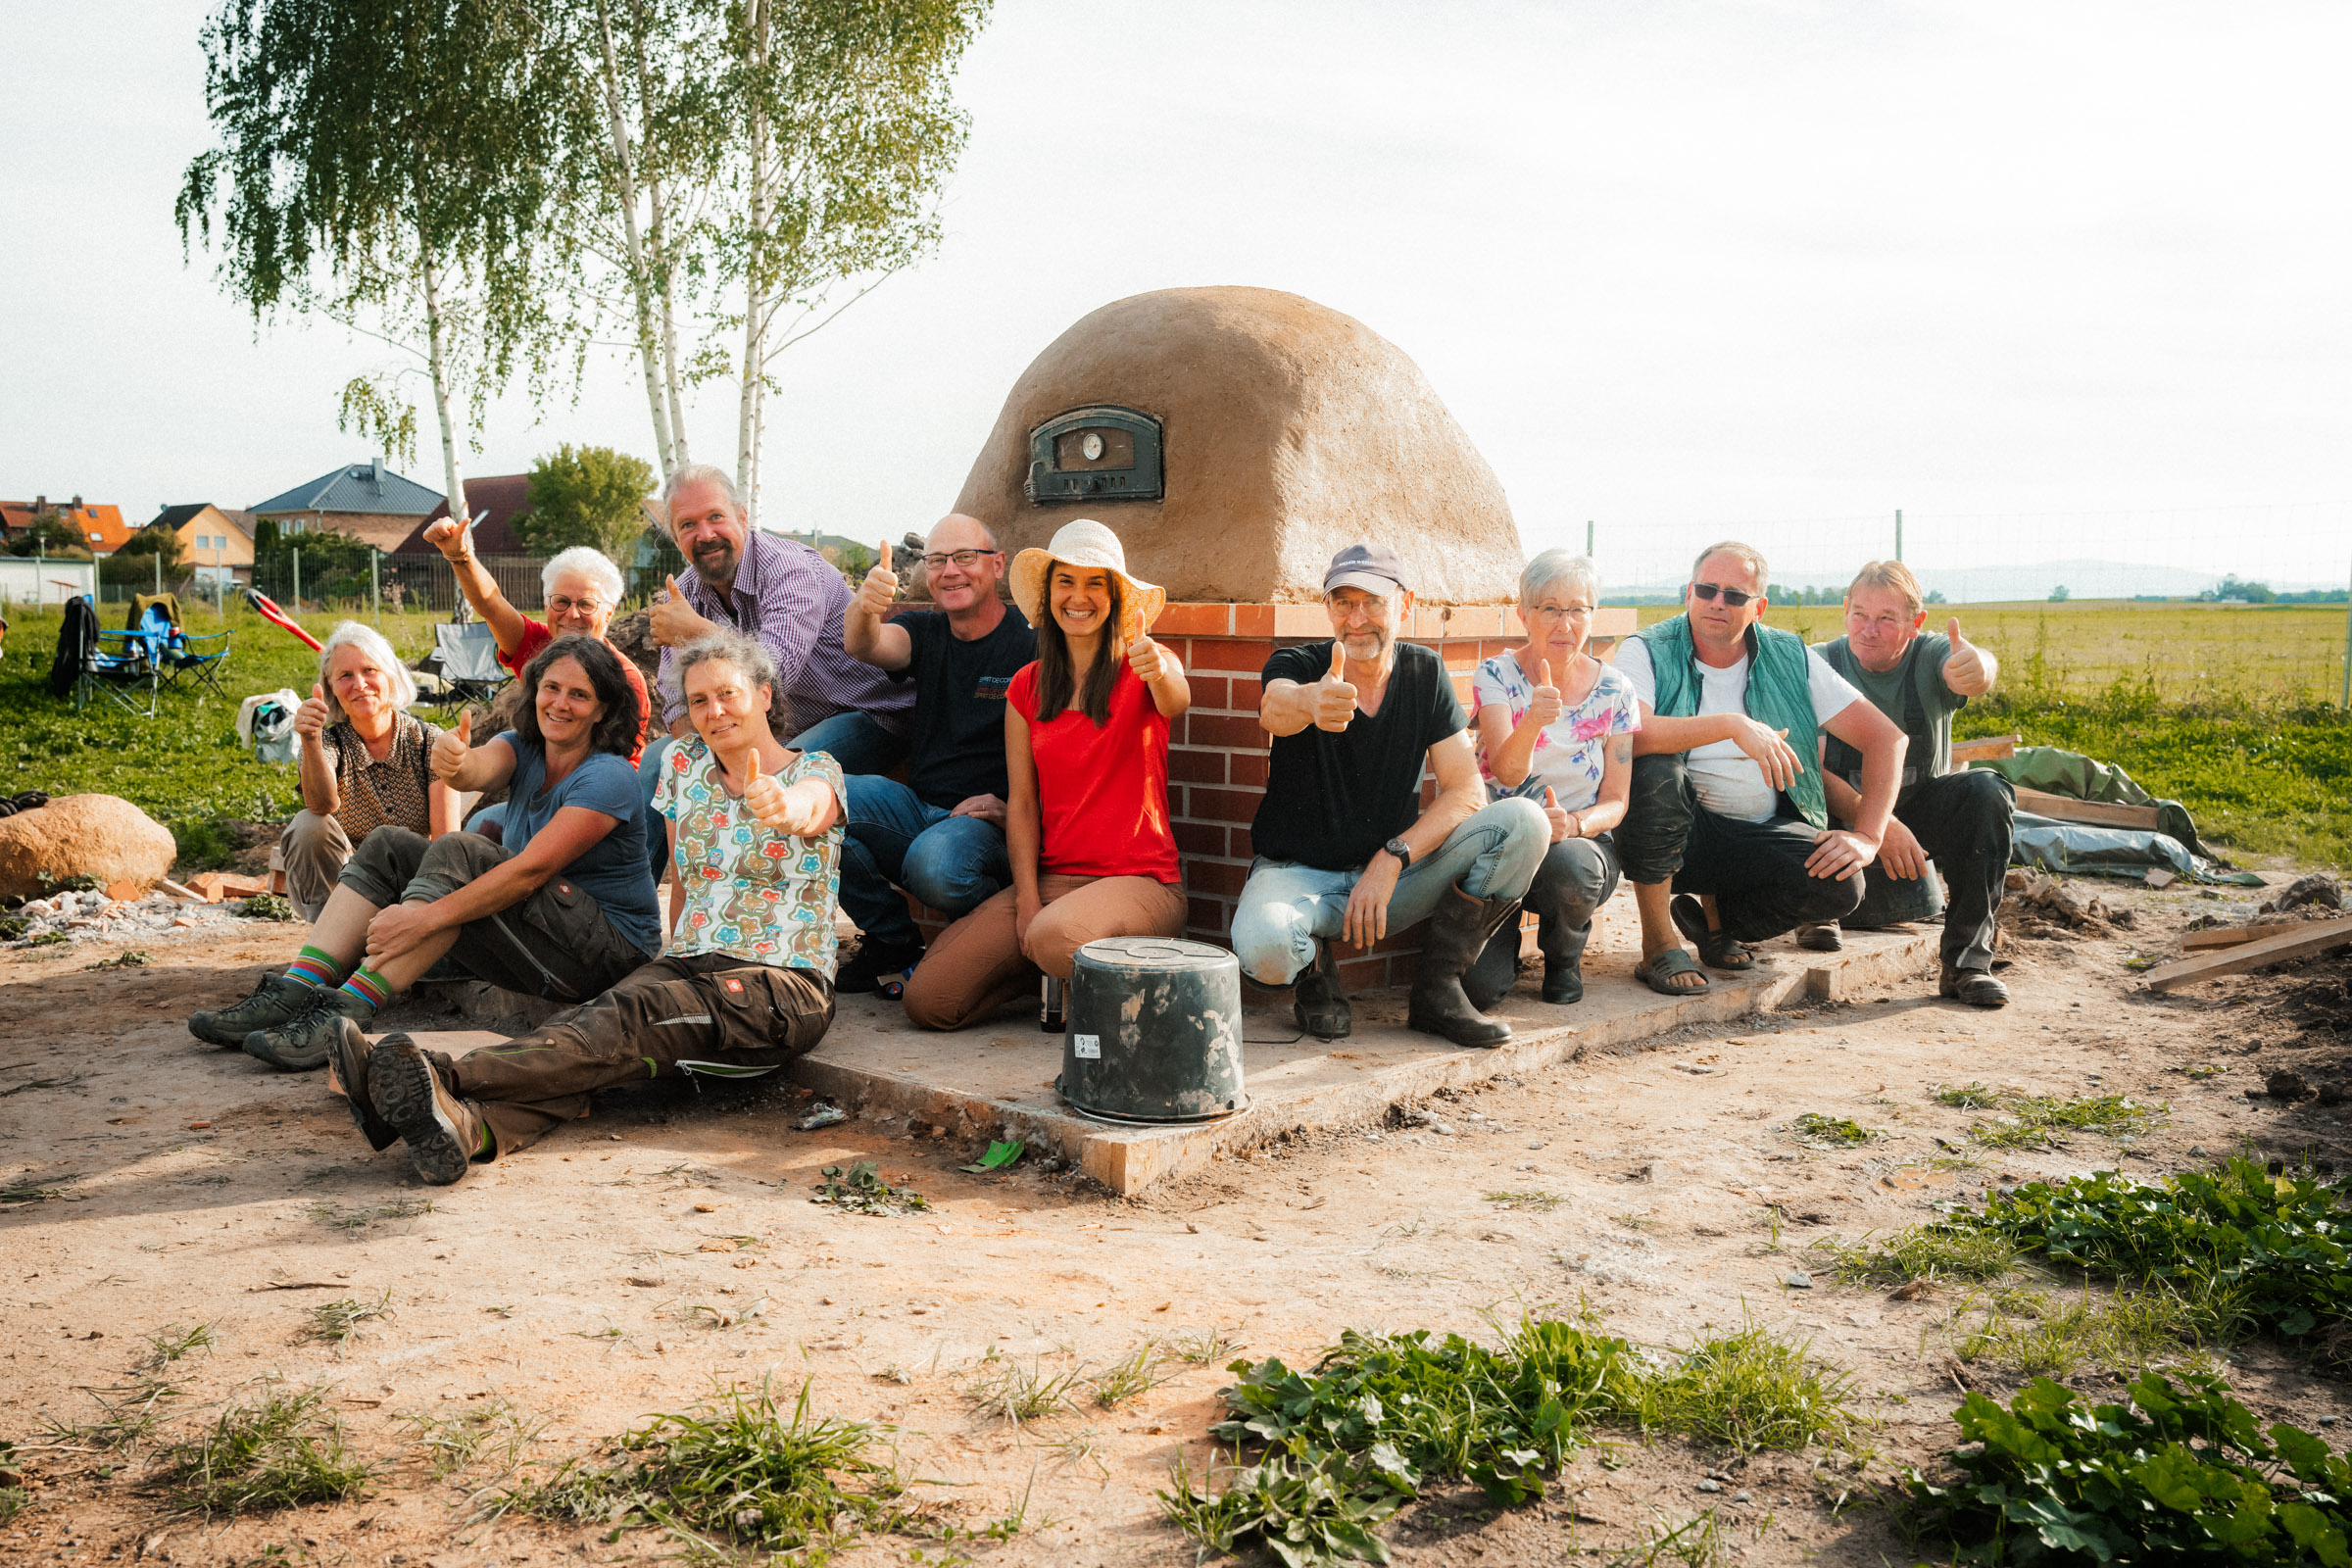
(666, 1247)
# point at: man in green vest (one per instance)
(1727, 837)
(1963, 822)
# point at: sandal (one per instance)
(1660, 973)
(1717, 948)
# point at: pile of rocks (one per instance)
(93, 916)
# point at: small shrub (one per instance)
(1303, 1503)
(265, 906)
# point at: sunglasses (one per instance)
(1731, 596)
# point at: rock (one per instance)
(1710, 1484)
(2285, 1084)
(1287, 430)
(2319, 888)
(102, 837)
(1798, 1280)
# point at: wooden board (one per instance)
(2098, 813)
(1986, 749)
(2228, 936)
(2317, 937)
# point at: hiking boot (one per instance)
(347, 1055)
(1973, 987)
(1821, 937)
(1563, 948)
(875, 963)
(300, 1044)
(444, 1133)
(1318, 1003)
(1455, 933)
(275, 1000)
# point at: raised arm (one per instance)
(1163, 676)
(1284, 706)
(320, 794)
(463, 765)
(865, 629)
(480, 589)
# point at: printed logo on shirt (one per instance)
(992, 688)
(735, 986)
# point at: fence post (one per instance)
(1587, 538)
(1898, 533)
(2346, 700)
(296, 606)
(376, 586)
(159, 574)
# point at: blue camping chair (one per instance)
(178, 655)
(467, 659)
(113, 665)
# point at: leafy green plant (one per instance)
(129, 959)
(1964, 1097)
(2180, 1474)
(48, 939)
(1304, 1505)
(1840, 1132)
(265, 906)
(733, 1472)
(278, 1452)
(862, 1191)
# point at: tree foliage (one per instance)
(590, 496)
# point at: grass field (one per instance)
(2230, 711)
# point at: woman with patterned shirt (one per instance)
(746, 985)
(1555, 724)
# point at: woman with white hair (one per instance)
(1555, 724)
(367, 762)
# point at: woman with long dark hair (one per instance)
(1086, 753)
(561, 908)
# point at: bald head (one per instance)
(962, 585)
(957, 531)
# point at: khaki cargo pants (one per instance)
(711, 1015)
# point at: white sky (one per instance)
(2059, 279)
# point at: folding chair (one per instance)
(196, 657)
(468, 660)
(109, 663)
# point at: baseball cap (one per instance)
(1370, 566)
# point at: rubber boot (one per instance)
(1491, 978)
(1455, 933)
(1563, 948)
(1316, 1000)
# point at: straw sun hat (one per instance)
(1084, 542)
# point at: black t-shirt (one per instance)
(1332, 801)
(956, 742)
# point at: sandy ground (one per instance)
(585, 1281)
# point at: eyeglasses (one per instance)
(1562, 613)
(1731, 596)
(560, 605)
(962, 557)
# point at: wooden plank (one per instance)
(1986, 749)
(2097, 814)
(2317, 937)
(2227, 936)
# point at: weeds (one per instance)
(169, 1343)
(48, 939)
(337, 1321)
(1021, 1394)
(1833, 1132)
(278, 1453)
(1932, 1252)
(1750, 1392)
(265, 906)
(1133, 1375)
(1538, 1203)
(129, 1415)
(1966, 1097)
(1304, 1505)
(2031, 1332)
(1199, 1346)
(2041, 1121)
(733, 1472)
(862, 1191)
(1694, 1543)
(453, 1443)
(130, 959)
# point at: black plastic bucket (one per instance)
(1154, 1031)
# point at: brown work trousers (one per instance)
(313, 850)
(978, 964)
(711, 1015)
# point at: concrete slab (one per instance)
(996, 1079)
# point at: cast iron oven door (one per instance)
(1097, 454)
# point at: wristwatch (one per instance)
(1398, 848)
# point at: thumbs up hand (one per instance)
(1335, 698)
(309, 720)
(674, 623)
(447, 536)
(1562, 829)
(799, 810)
(1544, 705)
(880, 590)
(1969, 669)
(450, 749)
(1145, 657)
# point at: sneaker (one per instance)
(874, 964)
(347, 1055)
(300, 1044)
(1825, 937)
(275, 1000)
(444, 1133)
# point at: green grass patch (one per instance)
(281, 1451)
(2179, 1473)
(336, 1322)
(2037, 1333)
(734, 1474)
(2043, 1122)
(492, 1428)
(1750, 1392)
(1932, 1252)
(1834, 1132)
(1537, 1202)
(1964, 1097)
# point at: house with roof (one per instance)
(100, 528)
(497, 502)
(216, 543)
(365, 500)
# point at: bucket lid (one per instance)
(1152, 953)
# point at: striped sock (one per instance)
(316, 968)
(370, 987)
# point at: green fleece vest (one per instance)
(1780, 694)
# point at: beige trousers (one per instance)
(313, 850)
(978, 964)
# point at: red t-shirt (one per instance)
(537, 635)
(1102, 794)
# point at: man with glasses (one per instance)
(1727, 837)
(941, 835)
(1963, 822)
(1345, 851)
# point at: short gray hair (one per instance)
(1558, 566)
(367, 640)
(751, 662)
(1750, 553)
(591, 563)
(698, 474)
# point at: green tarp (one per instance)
(2080, 849)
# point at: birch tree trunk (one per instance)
(672, 381)
(754, 287)
(437, 359)
(641, 290)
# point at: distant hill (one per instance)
(2083, 580)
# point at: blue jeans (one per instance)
(857, 742)
(953, 864)
(1287, 908)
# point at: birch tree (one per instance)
(388, 163)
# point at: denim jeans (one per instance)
(953, 864)
(1287, 908)
(857, 742)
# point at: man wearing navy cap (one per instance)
(1345, 847)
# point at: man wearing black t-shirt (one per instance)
(942, 839)
(1345, 847)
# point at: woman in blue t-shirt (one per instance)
(563, 908)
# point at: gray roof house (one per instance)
(363, 499)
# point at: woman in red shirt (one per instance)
(1086, 751)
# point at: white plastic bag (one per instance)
(266, 722)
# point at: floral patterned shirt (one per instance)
(751, 893)
(1571, 750)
